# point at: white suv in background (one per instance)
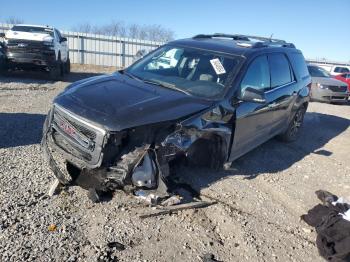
(334, 69)
(37, 47)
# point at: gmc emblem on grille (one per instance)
(22, 45)
(67, 128)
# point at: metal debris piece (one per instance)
(150, 198)
(55, 188)
(171, 201)
(144, 174)
(172, 209)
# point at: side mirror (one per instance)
(63, 39)
(253, 95)
(2, 34)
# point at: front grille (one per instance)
(25, 46)
(76, 136)
(90, 134)
(337, 88)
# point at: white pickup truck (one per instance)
(29, 47)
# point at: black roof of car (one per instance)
(232, 46)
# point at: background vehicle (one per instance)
(2, 57)
(37, 47)
(220, 97)
(345, 77)
(334, 69)
(325, 88)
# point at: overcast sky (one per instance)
(319, 28)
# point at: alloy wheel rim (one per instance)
(296, 123)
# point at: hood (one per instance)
(328, 81)
(117, 102)
(28, 36)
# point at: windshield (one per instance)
(318, 71)
(195, 72)
(33, 29)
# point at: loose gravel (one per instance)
(260, 199)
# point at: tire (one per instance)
(67, 66)
(292, 133)
(56, 71)
(3, 66)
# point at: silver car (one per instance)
(325, 88)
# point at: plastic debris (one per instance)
(52, 227)
(55, 188)
(118, 246)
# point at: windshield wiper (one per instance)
(166, 85)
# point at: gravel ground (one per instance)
(260, 199)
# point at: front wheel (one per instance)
(56, 72)
(3, 66)
(292, 133)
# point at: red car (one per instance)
(344, 77)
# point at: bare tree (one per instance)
(14, 20)
(83, 28)
(116, 28)
(119, 28)
(134, 31)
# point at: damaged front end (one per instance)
(141, 158)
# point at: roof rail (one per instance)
(245, 40)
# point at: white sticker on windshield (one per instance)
(218, 67)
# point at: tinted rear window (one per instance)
(299, 65)
(279, 70)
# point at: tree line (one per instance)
(119, 28)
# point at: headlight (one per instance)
(320, 86)
(49, 44)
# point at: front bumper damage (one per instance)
(141, 158)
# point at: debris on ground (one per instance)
(55, 188)
(52, 227)
(147, 196)
(332, 227)
(209, 258)
(116, 245)
(171, 201)
(173, 209)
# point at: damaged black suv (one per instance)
(206, 100)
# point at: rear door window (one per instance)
(279, 69)
(257, 75)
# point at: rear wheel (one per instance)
(292, 133)
(67, 66)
